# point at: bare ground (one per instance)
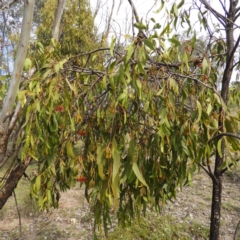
(73, 220)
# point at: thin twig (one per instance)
(134, 10)
(7, 5)
(223, 7)
(19, 215)
(219, 16)
(230, 165)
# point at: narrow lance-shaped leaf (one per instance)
(204, 65)
(112, 46)
(180, 4)
(148, 43)
(199, 108)
(219, 147)
(138, 174)
(100, 163)
(115, 179)
(70, 152)
(130, 51)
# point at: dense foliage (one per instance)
(131, 125)
(132, 133)
(77, 31)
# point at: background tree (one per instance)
(77, 33)
(10, 112)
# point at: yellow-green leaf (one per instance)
(219, 147)
(139, 84)
(112, 46)
(148, 43)
(27, 64)
(199, 108)
(38, 182)
(70, 152)
(100, 152)
(130, 51)
(204, 65)
(116, 165)
(138, 174)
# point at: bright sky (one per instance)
(122, 15)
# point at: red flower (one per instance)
(81, 179)
(59, 108)
(82, 133)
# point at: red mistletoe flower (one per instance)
(82, 133)
(81, 179)
(59, 108)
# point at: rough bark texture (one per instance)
(217, 185)
(216, 201)
(12, 181)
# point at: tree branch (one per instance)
(225, 134)
(209, 173)
(232, 54)
(219, 16)
(7, 5)
(230, 165)
(223, 7)
(134, 11)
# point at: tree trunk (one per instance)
(12, 181)
(10, 99)
(216, 201)
(57, 19)
(7, 112)
(217, 183)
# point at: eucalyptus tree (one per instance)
(77, 32)
(132, 128)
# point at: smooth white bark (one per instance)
(10, 98)
(57, 19)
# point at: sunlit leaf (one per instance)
(199, 108)
(148, 43)
(112, 46)
(115, 179)
(138, 174)
(140, 26)
(219, 147)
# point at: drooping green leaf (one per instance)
(138, 174)
(69, 148)
(148, 43)
(38, 182)
(100, 152)
(180, 4)
(112, 46)
(199, 108)
(130, 51)
(161, 7)
(204, 65)
(219, 147)
(115, 173)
